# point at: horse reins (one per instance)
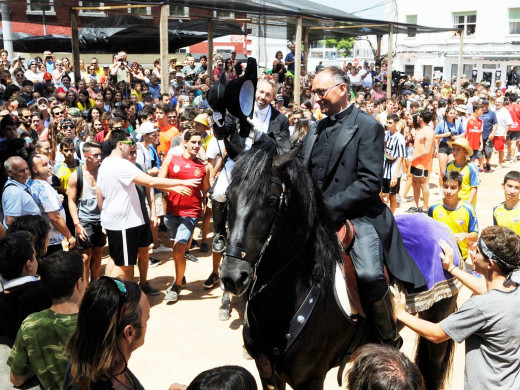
(244, 255)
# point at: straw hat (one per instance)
(463, 143)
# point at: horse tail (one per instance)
(434, 362)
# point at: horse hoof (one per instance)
(223, 314)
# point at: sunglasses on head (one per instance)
(123, 296)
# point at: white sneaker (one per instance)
(398, 197)
(499, 167)
(161, 249)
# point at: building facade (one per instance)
(491, 38)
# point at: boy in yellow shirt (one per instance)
(508, 212)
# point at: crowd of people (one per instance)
(110, 159)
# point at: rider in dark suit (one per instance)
(344, 155)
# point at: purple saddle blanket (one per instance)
(421, 235)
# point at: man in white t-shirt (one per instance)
(499, 135)
(121, 213)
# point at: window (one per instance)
(91, 12)
(140, 11)
(179, 11)
(409, 70)
(514, 20)
(466, 21)
(36, 7)
(411, 19)
(467, 69)
(224, 15)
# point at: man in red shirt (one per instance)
(167, 131)
(184, 204)
(513, 134)
(474, 133)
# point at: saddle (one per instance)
(346, 235)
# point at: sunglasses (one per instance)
(57, 113)
(93, 154)
(129, 142)
(123, 297)
(118, 128)
(26, 116)
(68, 127)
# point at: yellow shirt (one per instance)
(62, 172)
(461, 220)
(469, 174)
(509, 218)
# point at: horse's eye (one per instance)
(272, 202)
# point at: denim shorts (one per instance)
(180, 229)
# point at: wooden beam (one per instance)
(306, 48)
(297, 61)
(459, 68)
(389, 70)
(210, 49)
(74, 41)
(378, 50)
(163, 42)
(345, 27)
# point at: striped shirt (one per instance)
(395, 146)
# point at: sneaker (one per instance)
(194, 244)
(153, 262)
(204, 248)
(172, 293)
(412, 209)
(210, 282)
(161, 249)
(499, 166)
(149, 290)
(191, 257)
(399, 199)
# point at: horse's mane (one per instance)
(307, 218)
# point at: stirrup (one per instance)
(219, 243)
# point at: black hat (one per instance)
(240, 92)
(216, 95)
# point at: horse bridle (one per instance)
(249, 257)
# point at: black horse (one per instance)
(282, 252)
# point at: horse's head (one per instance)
(256, 195)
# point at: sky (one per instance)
(377, 12)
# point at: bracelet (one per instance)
(451, 269)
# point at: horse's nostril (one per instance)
(243, 277)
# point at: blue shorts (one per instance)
(476, 154)
(180, 229)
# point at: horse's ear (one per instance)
(295, 136)
(280, 162)
(233, 150)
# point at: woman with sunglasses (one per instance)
(231, 72)
(99, 354)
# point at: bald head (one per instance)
(17, 169)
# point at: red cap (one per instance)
(47, 76)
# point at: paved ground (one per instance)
(186, 338)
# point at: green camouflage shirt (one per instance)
(40, 347)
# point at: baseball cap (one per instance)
(47, 76)
(485, 101)
(42, 100)
(179, 74)
(147, 128)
